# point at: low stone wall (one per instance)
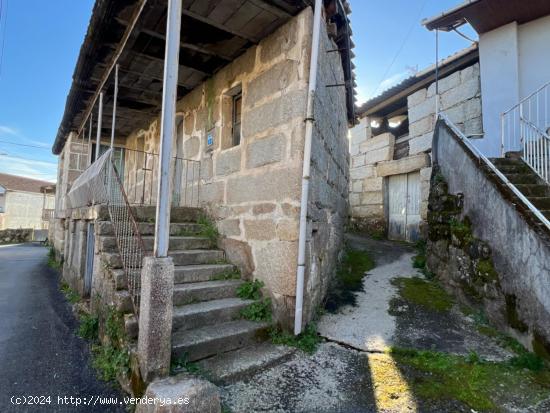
(15, 236)
(484, 247)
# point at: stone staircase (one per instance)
(206, 317)
(526, 181)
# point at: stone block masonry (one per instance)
(252, 190)
(372, 156)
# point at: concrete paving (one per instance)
(40, 355)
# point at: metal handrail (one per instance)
(495, 170)
(526, 98)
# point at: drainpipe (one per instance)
(306, 168)
(436, 74)
(167, 126)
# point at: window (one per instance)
(236, 116)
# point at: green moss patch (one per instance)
(348, 280)
(479, 384)
(425, 293)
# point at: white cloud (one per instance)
(393, 80)
(46, 171)
(7, 130)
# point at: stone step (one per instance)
(542, 203)
(109, 243)
(188, 274)
(199, 256)
(538, 190)
(546, 213)
(148, 228)
(205, 291)
(215, 339)
(515, 169)
(506, 162)
(148, 213)
(243, 363)
(182, 257)
(523, 178)
(191, 316)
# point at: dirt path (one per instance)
(405, 347)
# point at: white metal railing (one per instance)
(494, 169)
(525, 129)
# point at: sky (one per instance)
(40, 41)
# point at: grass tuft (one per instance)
(72, 296)
(110, 361)
(427, 294)
(307, 341)
(89, 327)
(183, 364)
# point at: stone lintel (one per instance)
(403, 166)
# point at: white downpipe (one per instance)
(167, 126)
(113, 124)
(306, 168)
(99, 120)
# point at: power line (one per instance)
(22, 144)
(402, 46)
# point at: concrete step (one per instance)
(148, 228)
(215, 339)
(182, 257)
(515, 169)
(542, 203)
(187, 274)
(148, 213)
(191, 316)
(198, 256)
(205, 291)
(243, 363)
(109, 243)
(539, 190)
(506, 162)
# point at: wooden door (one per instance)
(404, 207)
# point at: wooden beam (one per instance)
(183, 45)
(271, 8)
(220, 26)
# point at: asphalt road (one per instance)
(40, 355)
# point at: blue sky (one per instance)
(42, 40)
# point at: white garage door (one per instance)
(404, 207)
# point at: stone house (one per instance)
(391, 145)
(238, 152)
(25, 202)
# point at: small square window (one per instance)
(232, 104)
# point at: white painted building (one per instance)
(514, 52)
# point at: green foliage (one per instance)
(88, 328)
(114, 326)
(348, 279)
(72, 296)
(183, 364)
(469, 379)
(307, 341)
(427, 294)
(52, 260)
(257, 311)
(110, 361)
(208, 229)
(250, 290)
(528, 361)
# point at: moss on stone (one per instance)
(485, 270)
(541, 346)
(512, 315)
(427, 294)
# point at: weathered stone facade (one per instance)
(373, 156)
(252, 190)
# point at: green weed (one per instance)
(88, 328)
(257, 311)
(307, 341)
(250, 290)
(427, 294)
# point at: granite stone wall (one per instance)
(372, 156)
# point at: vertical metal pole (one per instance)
(90, 129)
(99, 119)
(113, 124)
(167, 126)
(436, 73)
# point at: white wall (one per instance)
(498, 55)
(515, 61)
